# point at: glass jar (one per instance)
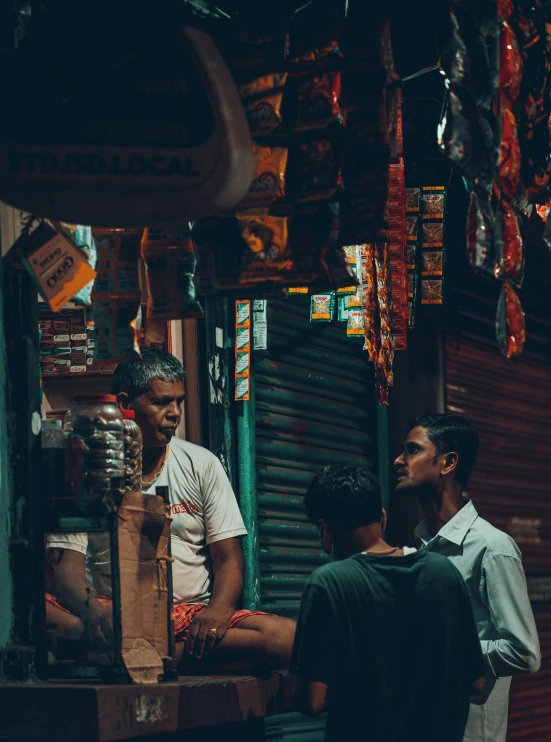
(132, 452)
(94, 448)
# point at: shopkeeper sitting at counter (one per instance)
(206, 527)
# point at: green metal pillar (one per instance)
(246, 470)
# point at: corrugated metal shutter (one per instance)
(314, 406)
(510, 404)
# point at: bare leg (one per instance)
(256, 643)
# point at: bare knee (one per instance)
(279, 635)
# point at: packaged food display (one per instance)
(268, 184)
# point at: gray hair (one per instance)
(134, 377)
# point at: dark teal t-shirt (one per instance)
(395, 640)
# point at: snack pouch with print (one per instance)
(169, 256)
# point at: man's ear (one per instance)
(123, 401)
(450, 463)
(383, 520)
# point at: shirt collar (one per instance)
(455, 529)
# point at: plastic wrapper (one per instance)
(318, 100)
(413, 200)
(317, 168)
(510, 64)
(509, 153)
(82, 237)
(268, 183)
(262, 99)
(369, 291)
(480, 232)
(169, 255)
(322, 307)
(509, 249)
(432, 291)
(355, 323)
(510, 323)
(115, 330)
(117, 264)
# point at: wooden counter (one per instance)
(78, 712)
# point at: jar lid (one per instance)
(128, 414)
(96, 399)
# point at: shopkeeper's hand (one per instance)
(207, 630)
(98, 626)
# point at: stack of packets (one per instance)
(242, 351)
(321, 147)
(426, 209)
(397, 240)
(66, 342)
(496, 127)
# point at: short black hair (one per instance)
(344, 495)
(452, 433)
(134, 377)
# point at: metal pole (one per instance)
(246, 471)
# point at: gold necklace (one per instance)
(145, 481)
(381, 553)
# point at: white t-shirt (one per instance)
(204, 510)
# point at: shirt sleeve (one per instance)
(222, 517)
(72, 541)
(472, 652)
(312, 658)
(505, 594)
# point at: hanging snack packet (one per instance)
(115, 330)
(480, 232)
(268, 183)
(432, 291)
(82, 237)
(433, 202)
(413, 200)
(117, 265)
(322, 307)
(343, 310)
(116, 294)
(318, 100)
(57, 266)
(510, 322)
(242, 348)
(317, 168)
(355, 323)
(509, 250)
(169, 255)
(262, 98)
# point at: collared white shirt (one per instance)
(490, 563)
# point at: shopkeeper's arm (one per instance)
(68, 584)
(227, 566)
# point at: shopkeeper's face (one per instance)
(159, 411)
(418, 467)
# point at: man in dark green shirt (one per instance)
(386, 640)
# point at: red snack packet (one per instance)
(318, 101)
(510, 323)
(509, 251)
(509, 153)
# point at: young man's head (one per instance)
(344, 501)
(153, 387)
(439, 452)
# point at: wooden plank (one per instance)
(48, 712)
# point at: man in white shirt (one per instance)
(439, 454)
(206, 527)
